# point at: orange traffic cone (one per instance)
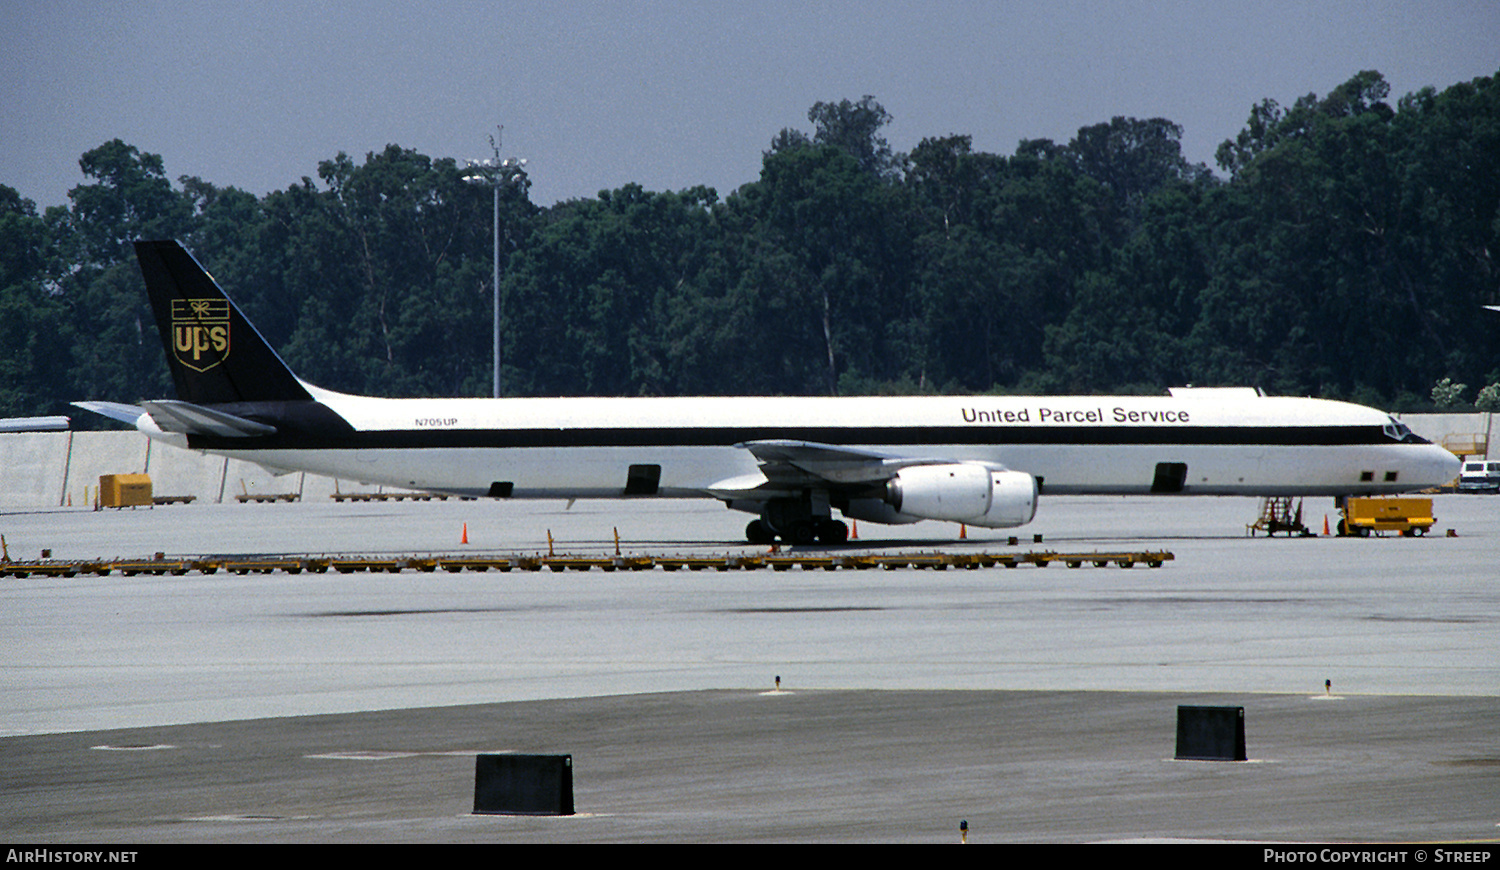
(1325, 525)
(465, 538)
(854, 531)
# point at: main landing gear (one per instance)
(797, 521)
(823, 531)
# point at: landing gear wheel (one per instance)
(801, 533)
(832, 532)
(757, 533)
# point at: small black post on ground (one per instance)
(1211, 733)
(533, 785)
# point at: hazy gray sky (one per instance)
(599, 94)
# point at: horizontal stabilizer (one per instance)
(126, 414)
(189, 419)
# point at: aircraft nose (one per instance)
(1444, 465)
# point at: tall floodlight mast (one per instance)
(496, 173)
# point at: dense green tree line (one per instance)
(1346, 251)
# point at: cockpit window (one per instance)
(1399, 431)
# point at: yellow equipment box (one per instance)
(124, 490)
(1409, 516)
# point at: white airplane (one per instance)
(979, 460)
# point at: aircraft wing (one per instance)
(802, 462)
(189, 419)
(798, 464)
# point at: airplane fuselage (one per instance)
(1196, 442)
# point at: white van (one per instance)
(1479, 476)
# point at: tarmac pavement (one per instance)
(1037, 704)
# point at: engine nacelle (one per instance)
(876, 510)
(964, 493)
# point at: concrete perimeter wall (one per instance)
(54, 469)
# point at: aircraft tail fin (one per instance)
(215, 355)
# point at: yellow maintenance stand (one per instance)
(1278, 515)
(1409, 516)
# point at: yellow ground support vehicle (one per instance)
(124, 490)
(1409, 516)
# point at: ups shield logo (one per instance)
(200, 332)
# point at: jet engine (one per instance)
(964, 493)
